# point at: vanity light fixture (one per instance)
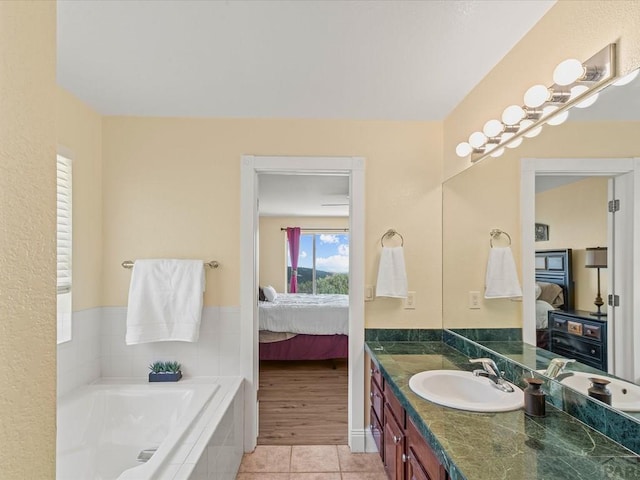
(575, 84)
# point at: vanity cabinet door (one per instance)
(414, 468)
(393, 444)
(422, 463)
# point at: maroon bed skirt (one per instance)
(307, 347)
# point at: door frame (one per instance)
(530, 167)
(251, 166)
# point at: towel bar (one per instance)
(211, 264)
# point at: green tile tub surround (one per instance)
(621, 427)
(508, 445)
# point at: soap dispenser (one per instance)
(534, 398)
(599, 390)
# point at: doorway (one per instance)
(252, 167)
(623, 333)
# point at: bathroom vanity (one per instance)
(404, 452)
(419, 439)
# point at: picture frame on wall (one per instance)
(542, 232)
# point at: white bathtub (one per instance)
(103, 427)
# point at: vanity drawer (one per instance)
(376, 375)
(377, 400)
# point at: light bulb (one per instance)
(559, 119)
(516, 143)
(577, 91)
(489, 146)
(498, 152)
(493, 128)
(548, 110)
(464, 149)
(477, 139)
(512, 115)
(532, 133)
(536, 96)
(589, 101)
(568, 72)
(628, 78)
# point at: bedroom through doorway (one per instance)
(303, 309)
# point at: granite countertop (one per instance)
(493, 446)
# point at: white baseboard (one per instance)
(361, 441)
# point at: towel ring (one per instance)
(390, 233)
(495, 233)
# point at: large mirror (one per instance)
(554, 189)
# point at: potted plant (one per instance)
(165, 372)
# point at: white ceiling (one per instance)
(391, 60)
(303, 195)
(358, 59)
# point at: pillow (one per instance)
(261, 296)
(538, 290)
(270, 293)
(551, 293)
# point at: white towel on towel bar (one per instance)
(501, 279)
(392, 275)
(165, 301)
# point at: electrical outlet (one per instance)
(368, 293)
(474, 300)
(410, 301)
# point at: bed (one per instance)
(298, 326)
(554, 288)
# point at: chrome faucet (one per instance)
(490, 370)
(556, 366)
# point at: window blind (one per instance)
(64, 224)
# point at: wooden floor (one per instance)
(303, 403)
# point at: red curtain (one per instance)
(293, 237)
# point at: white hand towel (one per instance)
(165, 301)
(392, 275)
(502, 279)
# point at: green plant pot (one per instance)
(165, 376)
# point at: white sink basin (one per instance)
(625, 396)
(464, 391)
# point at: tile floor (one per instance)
(310, 462)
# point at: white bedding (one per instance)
(304, 313)
(542, 316)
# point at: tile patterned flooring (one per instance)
(310, 462)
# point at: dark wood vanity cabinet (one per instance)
(579, 335)
(404, 452)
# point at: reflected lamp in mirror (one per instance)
(596, 257)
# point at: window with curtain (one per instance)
(323, 263)
(64, 247)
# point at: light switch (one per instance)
(368, 293)
(410, 301)
(474, 300)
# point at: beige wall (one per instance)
(27, 246)
(171, 188)
(577, 219)
(79, 130)
(571, 29)
(488, 196)
(273, 248)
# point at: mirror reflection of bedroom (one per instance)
(303, 309)
(572, 234)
